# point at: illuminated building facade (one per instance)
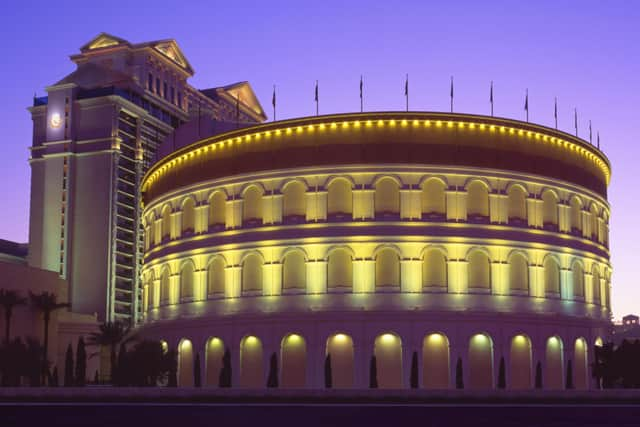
(465, 240)
(94, 136)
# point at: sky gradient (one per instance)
(585, 53)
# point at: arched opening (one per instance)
(479, 271)
(252, 273)
(580, 375)
(480, 362)
(150, 231)
(517, 205)
(294, 200)
(595, 226)
(520, 363)
(251, 364)
(339, 198)
(433, 199)
(293, 361)
(340, 269)
(434, 270)
(477, 201)
(340, 350)
(213, 356)
(518, 273)
(551, 277)
(595, 285)
(577, 273)
(185, 364)
(217, 209)
(575, 215)
(188, 216)
(387, 268)
(388, 352)
(216, 276)
(252, 206)
(294, 274)
(387, 197)
(186, 282)
(554, 373)
(165, 287)
(549, 210)
(435, 361)
(166, 223)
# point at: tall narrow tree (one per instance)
(68, 367)
(47, 303)
(373, 372)
(272, 379)
(502, 377)
(569, 383)
(414, 370)
(538, 382)
(110, 335)
(197, 377)
(81, 364)
(459, 377)
(328, 375)
(224, 380)
(9, 299)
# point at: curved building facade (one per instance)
(443, 247)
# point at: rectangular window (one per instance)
(157, 86)
(173, 97)
(150, 83)
(165, 92)
(180, 99)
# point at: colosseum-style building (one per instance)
(443, 244)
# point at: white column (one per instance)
(533, 212)
(564, 222)
(411, 275)
(233, 285)
(364, 271)
(458, 275)
(201, 220)
(272, 279)
(456, 205)
(316, 277)
(498, 211)
(410, 204)
(233, 214)
(363, 203)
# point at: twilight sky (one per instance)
(585, 53)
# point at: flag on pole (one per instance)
(555, 111)
(237, 109)
(406, 91)
(598, 138)
(590, 135)
(451, 94)
(575, 120)
(361, 99)
(526, 103)
(273, 102)
(491, 97)
(316, 97)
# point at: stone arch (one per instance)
(340, 197)
(388, 352)
(551, 267)
(518, 272)
(340, 268)
(294, 269)
(575, 213)
(581, 365)
(188, 215)
(185, 363)
(577, 273)
(387, 196)
(481, 362)
(214, 352)
(165, 223)
(594, 224)
(517, 203)
(435, 361)
(252, 272)
(433, 196)
(165, 286)
(520, 363)
(252, 204)
(479, 269)
(217, 209)
(341, 352)
(187, 285)
(477, 199)
(387, 260)
(293, 361)
(294, 199)
(216, 279)
(434, 268)
(550, 208)
(251, 362)
(554, 358)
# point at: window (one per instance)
(150, 82)
(517, 204)
(479, 270)
(387, 268)
(165, 92)
(340, 269)
(157, 86)
(551, 276)
(477, 200)
(518, 273)
(433, 197)
(339, 198)
(294, 271)
(173, 93)
(434, 269)
(387, 197)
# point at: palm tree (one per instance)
(110, 334)
(47, 303)
(8, 300)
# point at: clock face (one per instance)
(56, 121)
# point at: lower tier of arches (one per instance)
(384, 350)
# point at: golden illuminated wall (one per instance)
(322, 230)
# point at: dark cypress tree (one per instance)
(96, 378)
(502, 377)
(272, 379)
(173, 368)
(68, 367)
(224, 380)
(459, 378)
(197, 379)
(373, 373)
(569, 383)
(414, 370)
(81, 364)
(328, 375)
(54, 378)
(122, 373)
(538, 375)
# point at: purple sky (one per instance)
(585, 53)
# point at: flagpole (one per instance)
(598, 140)
(555, 111)
(406, 91)
(361, 101)
(491, 98)
(273, 102)
(526, 104)
(590, 134)
(317, 108)
(575, 120)
(451, 94)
